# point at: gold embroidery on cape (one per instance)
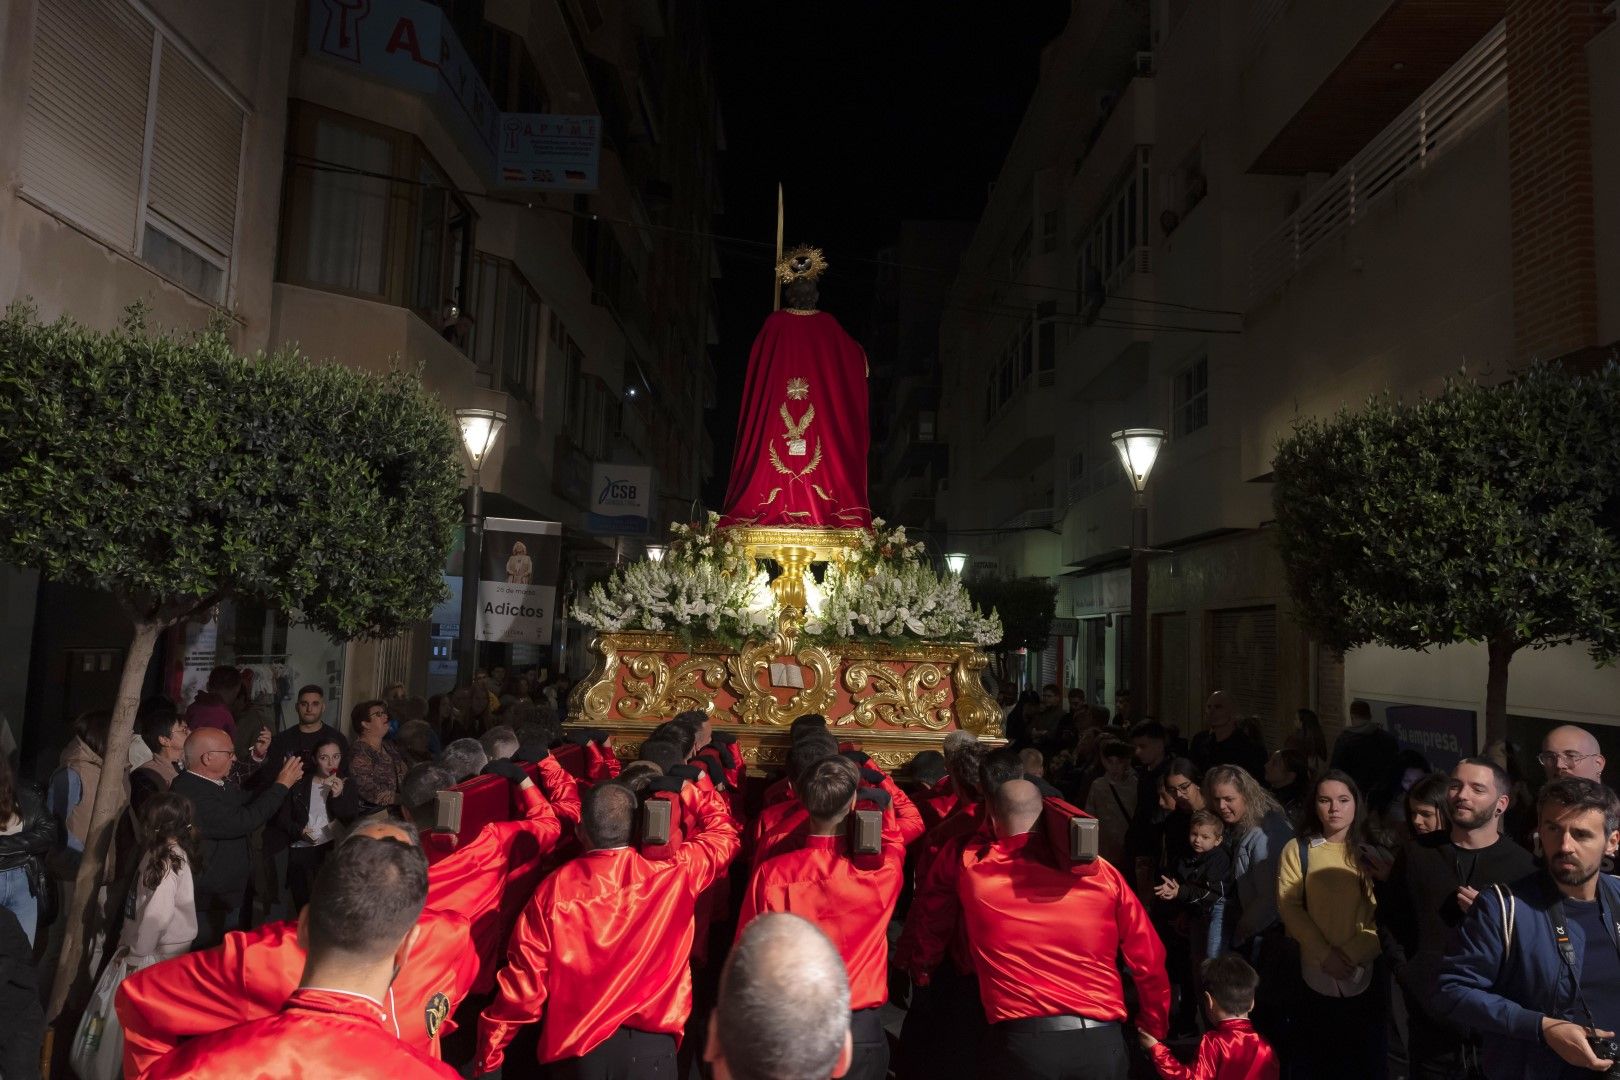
(798, 389)
(795, 431)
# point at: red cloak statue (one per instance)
(802, 432)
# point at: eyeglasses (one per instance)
(203, 756)
(1183, 787)
(1568, 757)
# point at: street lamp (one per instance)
(1138, 451)
(956, 562)
(480, 428)
(655, 552)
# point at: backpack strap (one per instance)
(1304, 847)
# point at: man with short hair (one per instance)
(225, 816)
(1145, 834)
(165, 734)
(602, 949)
(1435, 880)
(358, 932)
(1046, 943)
(499, 742)
(464, 758)
(1223, 742)
(1535, 967)
(851, 903)
(310, 731)
(1568, 751)
(1364, 750)
(250, 975)
(783, 1012)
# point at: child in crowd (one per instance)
(1201, 882)
(1230, 1050)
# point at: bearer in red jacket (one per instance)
(490, 876)
(359, 930)
(601, 951)
(250, 975)
(851, 904)
(1045, 942)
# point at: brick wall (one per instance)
(1550, 171)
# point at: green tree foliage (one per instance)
(174, 473)
(1487, 514)
(1027, 607)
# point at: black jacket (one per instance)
(1237, 749)
(226, 816)
(1204, 878)
(293, 814)
(1418, 907)
(37, 837)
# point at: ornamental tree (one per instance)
(1488, 514)
(174, 473)
(1027, 607)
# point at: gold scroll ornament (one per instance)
(756, 704)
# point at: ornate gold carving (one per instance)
(756, 704)
(975, 710)
(593, 698)
(904, 698)
(654, 689)
(829, 544)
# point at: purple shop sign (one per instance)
(1444, 736)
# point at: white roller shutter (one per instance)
(196, 151)
(86, 115)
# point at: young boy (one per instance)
(1231, 1050)
(1201, 883)
(1112, 801)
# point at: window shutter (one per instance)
(1170, 662)
(86, 114)
(196, 151)
(1243, 662)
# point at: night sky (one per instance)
(868, 112)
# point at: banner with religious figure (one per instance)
(517, 593)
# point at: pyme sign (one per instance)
(517, 591)
(621, 500)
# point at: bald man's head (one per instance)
(1015, 807)
(382, 827)
(783, 1012)
(1571, 751)
(209, 753)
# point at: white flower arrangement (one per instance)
(706, 586)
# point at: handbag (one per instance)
(98, 1044)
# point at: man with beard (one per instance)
(1435, 880)
(1535, 967)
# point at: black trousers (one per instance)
(302, 864)
(944, 1027)
(217, 915)
(870, 1060)
(21, 1034)
(1084, 1054)
(628, 1054)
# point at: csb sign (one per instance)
(621, 501)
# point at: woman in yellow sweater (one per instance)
(1325, 897)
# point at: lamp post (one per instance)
(480, 428)
(655, 552)
(956, 562)
(1138, 451)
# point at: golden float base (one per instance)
(893, 701)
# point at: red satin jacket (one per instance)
(852, 906)
(249, 976)
(491, 877)
(316, 1035)
(605, 943)
(783, 825)
(1044, 941)
(936, 801)
(1232, 1051)
(934, 922)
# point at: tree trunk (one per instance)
(79, 909)
(1496, 683)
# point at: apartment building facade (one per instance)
(1219, 217)
(331, 175)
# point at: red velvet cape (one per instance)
(802, 432)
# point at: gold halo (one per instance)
(786, 272)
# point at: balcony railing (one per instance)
(1472, 91)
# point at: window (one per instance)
(1077, 477)
(507, 329)
(513, 80)
(1050, 225)
(351, 227)
(1116, 244)
(126, 136)
(925, 427)
(1191, 404)
(1019, 258)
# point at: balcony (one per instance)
(1323, 79)
(1111, 149)
(1470, 93)
(1019, 438)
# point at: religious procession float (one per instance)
(794, 599)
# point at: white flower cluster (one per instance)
(706, 585)
(900, 598)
